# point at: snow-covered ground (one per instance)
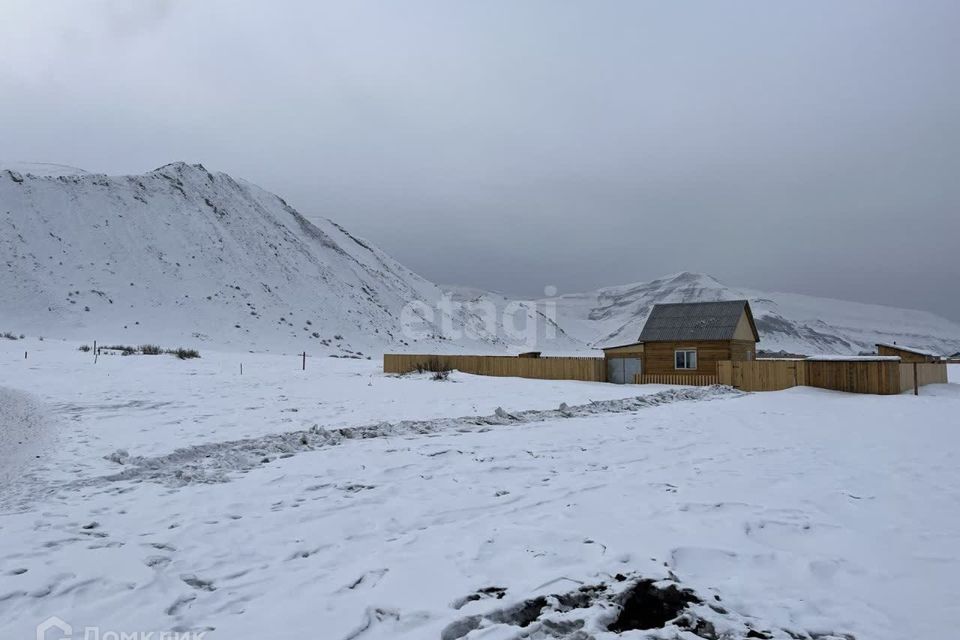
(341, 503)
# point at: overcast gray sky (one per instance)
(809, 146)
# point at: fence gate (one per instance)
(623, 370)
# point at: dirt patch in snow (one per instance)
(664, 609)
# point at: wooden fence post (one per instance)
(916, 381)
(304, 361)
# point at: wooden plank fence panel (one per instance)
(927, 373)
(906, 377)
(766, 375)
(875, 376)
(854, 376)
(725, 372)
(575, 368)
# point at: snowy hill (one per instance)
(786, 321)
(185, 255)
(181, 253)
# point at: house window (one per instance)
(685, 359)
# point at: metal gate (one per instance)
(622, 370)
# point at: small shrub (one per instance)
(434, 366)
(124, 350)
(9, 336)
(184, 354)
(84, 347)
(150, 350)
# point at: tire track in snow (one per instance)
(215, 462)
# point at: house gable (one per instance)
(745, 329)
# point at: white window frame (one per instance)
(686, 359)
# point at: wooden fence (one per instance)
(676, 378)
(762, 375)
(855, 376)
(883, 377)
(586, 369)
(926, 373)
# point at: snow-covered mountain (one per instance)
(188, 256)
(786, 321)
(182, 253)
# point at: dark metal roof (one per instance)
(696, 321)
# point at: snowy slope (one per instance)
(786, 321)
(181, 253)
(185, 255)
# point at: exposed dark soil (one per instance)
(631, 603)
(647, 606)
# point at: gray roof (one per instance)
(695, 321)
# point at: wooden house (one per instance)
(906, 354)
(686, 339)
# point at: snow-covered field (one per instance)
(148, 494)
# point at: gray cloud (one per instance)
(799, 146)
